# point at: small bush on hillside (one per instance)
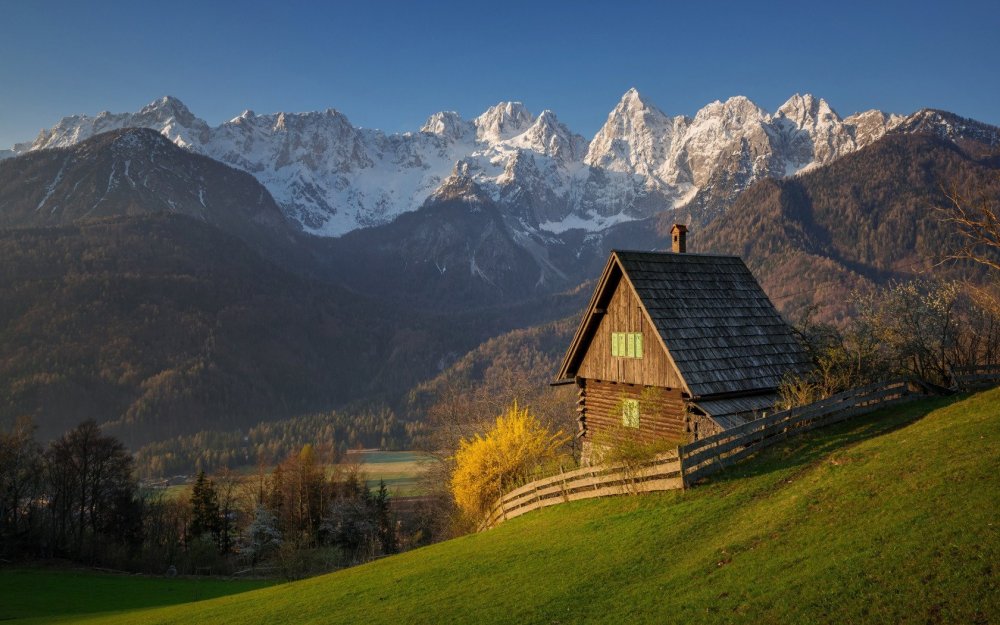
(487, 466)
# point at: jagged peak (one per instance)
(738, 106)
(633, 104)
(503, 121)
(547, 117)
(167, 103)
(635, 101)
(803, 108)
(551, 137)
(330, 116)
(743, 103)
(448, 124)
(246, 116)
(548, 123)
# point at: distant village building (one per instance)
(676, 345)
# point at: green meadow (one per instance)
(889, 518)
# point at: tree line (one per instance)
(336, 432)
(79, 499)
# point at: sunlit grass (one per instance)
(890, 518)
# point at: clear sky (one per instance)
(389, 65)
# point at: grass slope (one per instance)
(53, 594)
(891, 518)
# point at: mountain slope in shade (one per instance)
(161, 325)
(134, 171)
(865, 219)
(331, 177)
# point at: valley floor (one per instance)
(890, 518)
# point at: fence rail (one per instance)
(663, 472)
(976, 377)
(709, 455)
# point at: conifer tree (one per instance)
(205, 508)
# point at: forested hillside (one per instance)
(163, 325)
(868, 218)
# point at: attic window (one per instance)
(630, 413)
(626, 344)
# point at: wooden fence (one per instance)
(691, 462)
(976, 377)
(662, 472)
(714, 453)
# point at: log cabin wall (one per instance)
(624, 314)
(662, 412)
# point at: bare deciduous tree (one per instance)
(976, 222)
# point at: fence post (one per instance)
(681, 467)
(562, 483)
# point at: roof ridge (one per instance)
(667, 253)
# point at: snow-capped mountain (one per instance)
(332, 177)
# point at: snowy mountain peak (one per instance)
(447, 125)
(807, 110)
(332, 177)
(166, 110)
(167, 103)
(635, 132)
(632, 100)
(548, 136)
(503, 121)
(743, 108)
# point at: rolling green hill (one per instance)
(890, 518)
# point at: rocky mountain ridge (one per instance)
(331, 177)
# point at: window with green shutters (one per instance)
(626, 344)
(630, 413)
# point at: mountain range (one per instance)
(165, 277)
(330, 177)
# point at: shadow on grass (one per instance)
(804, 450)
(53, 592)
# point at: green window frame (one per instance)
(630, 413)
(626, 344)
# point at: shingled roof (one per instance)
(719, 327)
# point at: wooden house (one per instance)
(676, 345)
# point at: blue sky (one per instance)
(391, 64)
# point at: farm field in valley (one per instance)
(400, 469)
(888, 518)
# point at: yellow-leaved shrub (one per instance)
(487, 466)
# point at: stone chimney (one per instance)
(678, 239)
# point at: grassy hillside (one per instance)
(55, 594)
(891, 518)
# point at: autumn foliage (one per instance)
(487, 466)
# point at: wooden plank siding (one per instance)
(625, 314)
(662, 412)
